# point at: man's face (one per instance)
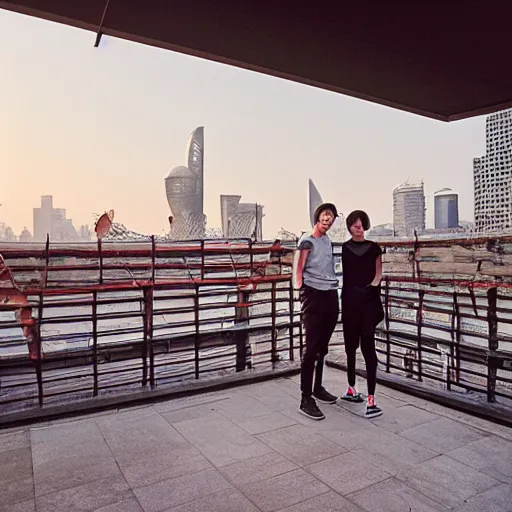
(325, 221)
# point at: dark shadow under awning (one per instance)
(447, 62)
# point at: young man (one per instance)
(317, 281)
(361, 306)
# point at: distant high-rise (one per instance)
(184, 188)
(53, 222)
(408, 209)
(241, 220)
(446, 210)
(492, 175)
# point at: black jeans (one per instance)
(361, 313)
(320, 310)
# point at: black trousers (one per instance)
(320, 311)
(361, 313)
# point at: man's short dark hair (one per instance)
(323, 208)
(358, 215)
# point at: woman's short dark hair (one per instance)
(358, 215)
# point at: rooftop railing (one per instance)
(90, 320)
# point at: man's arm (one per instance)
(301, 263)
(305, 247)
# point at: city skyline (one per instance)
(104, 125)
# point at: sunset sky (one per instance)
(99, 128)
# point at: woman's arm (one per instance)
(378, 271)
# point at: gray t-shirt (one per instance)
(319, 270)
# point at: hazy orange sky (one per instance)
(101, 128)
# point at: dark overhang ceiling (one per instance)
(445, 60)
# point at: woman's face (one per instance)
(357, 230)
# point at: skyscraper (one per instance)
(53, 222)
(492, 175)
(408, 209)
(446, 209)
(184, 188)
(241, 220)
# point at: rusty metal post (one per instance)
(39, 348)
(100, 257)
(241, 334)
(197, 339)
(274, 354)
(95, 342)
(291, 307)
(149, 328)
(387, 310)
(492, 320)
(458, 336)
(147, 347)
(202, 259)
(38, 362)
(419, 320)
(301, 338)
(153, 260)
(251, 257)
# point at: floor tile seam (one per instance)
(213, 466)
(353, 452)
(252, 418)
(307, 469)
(443, 415)
(232, 488)
(141, 487)
(435, 452)
(241, 491)
(436, 499)
(208, 402)
(447, 454)
(277, 430)
(192, 445)
(350, 495)
(286, 473)
(33, 479)
(299, 502)
(118, 466)
(398, 432)
(32, 464)
(402, 467)
(259, 480)
(248, 393)
(289, 391)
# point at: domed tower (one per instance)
(184, 190)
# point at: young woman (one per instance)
(361, 306)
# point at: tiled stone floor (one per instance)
(248, 450)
